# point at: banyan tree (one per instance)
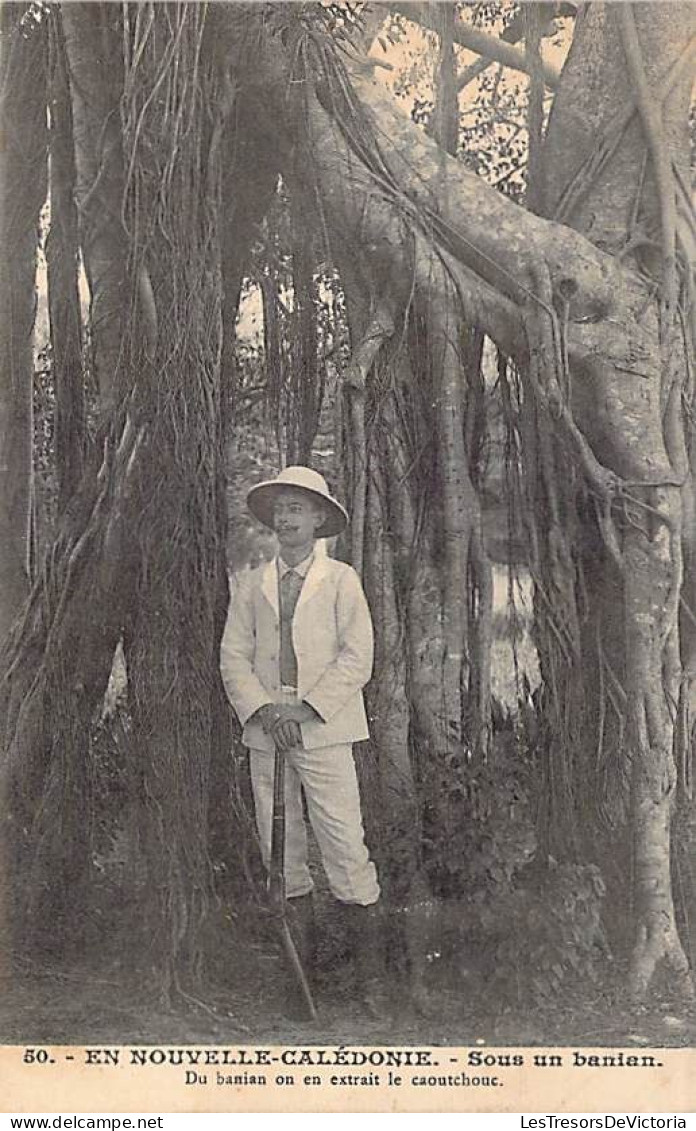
(172, 130)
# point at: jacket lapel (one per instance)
(269, 585)
(315, 576)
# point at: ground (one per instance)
(101, 1000)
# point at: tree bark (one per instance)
(653, 565)
(22, 191)
(396, 817)
(458, 505)
(386, 773)
(593, 163)
(602, 176)
(467, 584)
(22, 194)
(58, 658)
(55, 669)
(250, 173)
(62, 257)
(307, 377)
(94, 46)
(172, 643)
(492, 262)
(445, 119)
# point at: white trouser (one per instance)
(333, 802)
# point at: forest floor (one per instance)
(101, 1000)
(64, 1007)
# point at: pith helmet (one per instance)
(261, 498)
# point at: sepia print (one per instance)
(347, 555)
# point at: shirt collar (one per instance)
(302, 567)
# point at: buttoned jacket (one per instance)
(333, 641)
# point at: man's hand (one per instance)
(286, 731)
(283, 722)
(287, 735)
(268, 715)
(276, 721)
(299, 712)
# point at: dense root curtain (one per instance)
(590, 335)
(139, 554)
(172, 638)
(23, 53)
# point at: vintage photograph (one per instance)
(348, 525)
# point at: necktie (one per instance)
(290, 586)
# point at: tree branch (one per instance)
(472, 39)
(513, 33)
(373, 16)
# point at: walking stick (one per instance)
(276, 885)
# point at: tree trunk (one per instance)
(456, 359)
(386, 773)
(94, 46)
(58, 658)
(392, 809)
(22, 190)
(22, 194)
(55, 667)
(62, 257)
(445, 120)
(307, 391)
(249, 178)
(172, 643)
(652, 560)
(458, 504)
(604, 176)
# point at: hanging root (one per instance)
(56, 667)
(379, 330)
(651, 118)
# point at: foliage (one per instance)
(493, 133)
(492, 119)
(43, 453)
(544, 936)
(479, 824)
(523, 927)
(43, 441)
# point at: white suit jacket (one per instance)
(332, 638)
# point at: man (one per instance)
(296, 653)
